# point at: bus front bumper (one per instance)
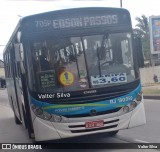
(46, 130)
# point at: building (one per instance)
(2, 69)
(2, 74)
(154, 27)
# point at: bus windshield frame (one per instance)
(89, 61)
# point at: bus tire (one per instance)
(17, 121)
(113, 133)
(30, 134)
(30, 130)
(24, 117)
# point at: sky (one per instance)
(12, 10)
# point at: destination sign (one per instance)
(85, 21)
(76, 19)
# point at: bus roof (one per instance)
(76, 10)
(68, 19)
(76, 18)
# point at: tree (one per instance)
(142, 31)
(142, 28)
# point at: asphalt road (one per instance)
(149, 133)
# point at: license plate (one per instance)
(94, 124)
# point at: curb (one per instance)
(151, 97)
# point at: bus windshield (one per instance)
(82, 62)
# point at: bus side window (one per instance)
(9, 65)
(16, 60)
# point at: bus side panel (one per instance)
(10, 82)
(20, 97)
(12, 95)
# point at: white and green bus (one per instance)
(74, 72)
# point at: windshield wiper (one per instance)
(75, 52)
(85, 58)
(99, 62)
(100, 52)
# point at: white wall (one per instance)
(2, 72)
(148, 73)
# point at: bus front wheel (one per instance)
(24, 117)
(17, 121)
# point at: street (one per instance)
(149, 133)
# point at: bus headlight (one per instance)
(133, 105)
(39, 112)
(47, 116)
(33, 107)
(56, 118)
(125, 109)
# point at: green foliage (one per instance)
(142, 31)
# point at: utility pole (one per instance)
(121, 3)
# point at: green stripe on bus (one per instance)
(75, 105)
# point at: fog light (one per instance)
(47, 116)
(126, 109)
(139, 97)
(133, 104)
(56, 118)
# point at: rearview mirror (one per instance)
(138, 52)
(19, 55)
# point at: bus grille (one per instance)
(94, 129)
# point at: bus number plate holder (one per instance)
(94, 124)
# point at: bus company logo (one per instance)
(93, 112)
(6, 146)
(90, 91)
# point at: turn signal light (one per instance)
(139, 97)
